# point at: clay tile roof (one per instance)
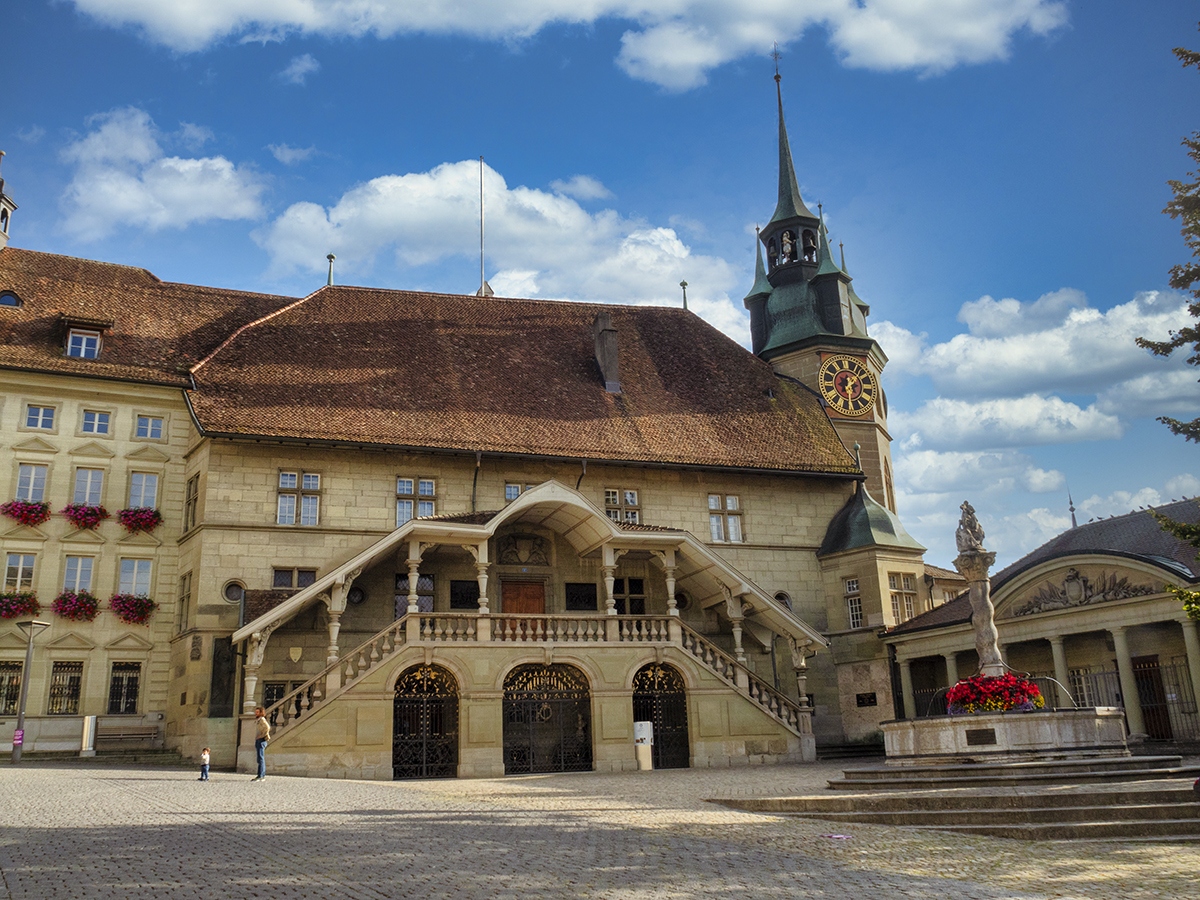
(153, 330)
(954, 612)
(260, 602)
(440, 371)
(946, 574)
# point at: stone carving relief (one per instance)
(524, 550)
(1079, 590)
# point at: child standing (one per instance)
(204, 758)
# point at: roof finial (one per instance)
(683, 284)
(842, 250)
(331, 258)
(1071, 506)
(775, 54)
(485, 289)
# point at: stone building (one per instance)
(460, 535)
(1088, 609)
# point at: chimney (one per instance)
(606, 352)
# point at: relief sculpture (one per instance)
(524, 550)
(1079, 590)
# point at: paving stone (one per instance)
(119, 832)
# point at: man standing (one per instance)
(262, 736)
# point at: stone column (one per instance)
(1062, 673)
(1129, 691)
(1191, 641)
(951, 668)
(256, 649)
(733, 608)
(906, 689)
(800, 667)
(335, 624)
(610, 601)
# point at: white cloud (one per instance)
(582, 187)
(930, 471)
(298, 70)
(1174, 392)
(1117, 503)
(946, 423)
(538, 243)
(1183, 486)
(123, 178)
(32, 134)
(904, 349)
(672, 43)
(1057, 343)
(289, 156)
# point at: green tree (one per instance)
(1185, 206)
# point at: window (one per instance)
(39, 417)
(854, 613)
(185, 601)
(78, 573)
(424, 594)
(31, 483)
(123, 688)
(18, 574)
(1082, 688)
(66, 678)
(94, 422)
(143, 489)
(904, 595)
(622, 505)
(88, 484)
(513, 491)
(8, 298)
(149, 428)
(191, 500)
(235, 592)
(415, 494)
(10, 687)
(463, 595)
(83, 344)
(630, 596)
(581, 597)
(135, 577)
(299, 498)
(725, 518)
(293, 578)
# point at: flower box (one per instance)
(78, 606)
(15, 604)
(139, 518)
(132, 609)
(83, 516)
(1000, 693)
(27, 512)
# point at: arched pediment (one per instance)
(1078, 581)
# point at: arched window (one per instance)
(8, 298)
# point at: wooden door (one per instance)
(523, 597)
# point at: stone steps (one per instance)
(849, 751)
(1083, 771)
(103, 757)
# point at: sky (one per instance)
(996, 171)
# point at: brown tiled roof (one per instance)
(954, 612)
(441, 371)
(947, 574)
(260, 602)
(159, 329)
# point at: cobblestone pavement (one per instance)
(97, 832)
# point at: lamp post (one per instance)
(19, 735)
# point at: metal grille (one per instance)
(659, 697)
(123, 688)
(66, 678)
(10, 687)
(425, 724)
(547, 720)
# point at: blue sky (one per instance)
(995, 168)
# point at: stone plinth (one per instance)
(1006, 737)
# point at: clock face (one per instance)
(847, 385)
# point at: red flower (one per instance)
(132, 609)
(27, 512)
(83, 516)
(140, 518)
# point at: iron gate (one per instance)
(547, 720)
(425, 724)
(659, 697)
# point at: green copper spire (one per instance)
(761, 287)
(790, 204)
(825, 263)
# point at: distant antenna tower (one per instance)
(485, 289)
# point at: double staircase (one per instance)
(432, 630)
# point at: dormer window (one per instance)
(8, 298)
(83, 344)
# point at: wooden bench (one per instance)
(120, 737)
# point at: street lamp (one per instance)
(31, 628)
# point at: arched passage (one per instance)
(659, 696)
(547, 720)
(425, 724)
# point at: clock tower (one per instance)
(809, 324)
